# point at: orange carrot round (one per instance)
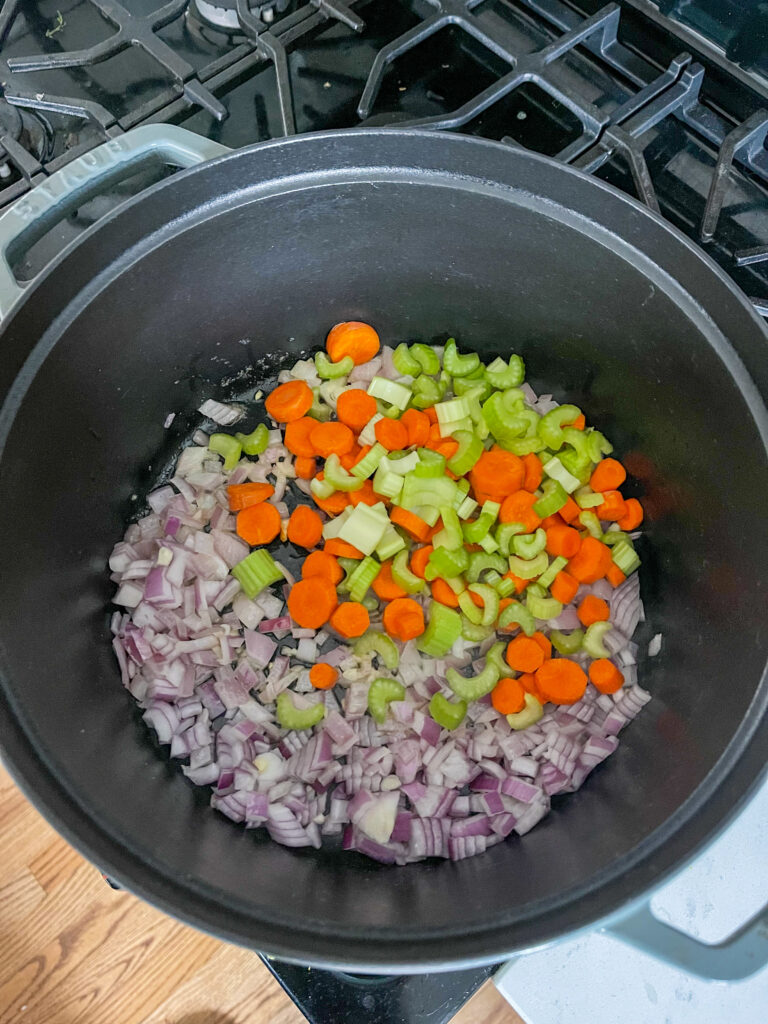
(443, 592)
(352, 338)
(305, 527)
(320, 563)
(244, 495)
(528, 682)
(615, 576)
(564, 587)
(593, 609)
(351, 619)
(561, 681)
(289, 401)
(404, 619)
(524, 654)
(534, 472)
(498, 474)
(419, 559)
(305, 467)
(366, 495)
(563, 540)
(613, 506)
(604, 676)
(508, 696)
(341, 548)
(413, 525)
(334, 503)
(323, 676)
(591, 562)
(608, 475)
(296, 437)
(392, 434)
(518, 508)
(330, 438)
(417, 425)
(355, 408)
(543, 642)
(633, 515)
(258, 524)
(570, 511)
(311, 602)
(384, 587)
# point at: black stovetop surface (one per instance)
(667, 100)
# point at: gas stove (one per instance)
(668, 101)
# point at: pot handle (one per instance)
(31, 216)
(736, 958)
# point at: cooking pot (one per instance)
(202, 286)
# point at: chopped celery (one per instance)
(321, 489)
(490, 600)
(442, 632)
(542, 607)
(368, 433)
(469, 451)
(390, 412)
(446, 562)
(598, 445)
(380, 693)
(527, 569)
(479, 563)
(462, 490)
(591, 523)
(426, 357)
(530, 714)
(475, 687)
(470, 609)
(503, 375)
(613, 537)
(333, 527)
(404, 362)
(320, 411)
(495, 656)
(593, 640)
(463, 385)
(476, 530)
(382, 645)
(438, 491)
(528, 545)
(256, 571)
(523, 446)
(551, 425)
(291, 717)
(473, 632)
(557, 471)
(369, 462)
(576, 457)
(363, 576)
(585, 497)
(256, 442)
(430, 464)
(387, 483)
(426, 392)
(552, 499)
(400, 462)
(505, 586)
(403, 577)
(389, 544)
(390, 391)
(226, 446)
(456, 365)
(466, 508)
(428, 513)
(519, 614)
(555, 566)
(504, 534)
(329, 370)
(625, 556)
(452, 410)
(567, 643)
(446, 713)
(450, 536)
(335, 475)
(364, 528)
(488, 543)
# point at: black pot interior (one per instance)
(262, 277)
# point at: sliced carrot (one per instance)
(613, 506)
(311, 602)
(435, 530)
(384, 587)
(593, 609)
(442, 592)
(366, 495)
(296, 437)
(446, 447)
(615, 576)
(305, 527)
(570, 510)
(413, 525)
(561, 681)
(549, 521)
(608, 475)
(430, 414)
(419, 559)
(534, 471)
(332, 438)
(435, 434)
(520, 583)
(508, 696)
(604, 676)
(580, 422)
(528, 682)
(518, 508)
(563, 541)
(321, 563)
(564, 587)
(363, 452)
(341, 549)
(355, 408)
(350, 619)
(349, 459)
(290, 401)
(323, 676)
(543, 643)
(591, 562)
(334, 503)
(305, 467)
(258, 524)
(244, 495)
(417, 425)
(498, 474)
(403, 619)
(633, 515)
(352, 338)
(392, 434)
(524, 654)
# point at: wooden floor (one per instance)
(74, 951)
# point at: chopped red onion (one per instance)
(260, 648)
(224, 415)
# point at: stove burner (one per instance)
(222, 14)
(34, 135)
(10, 121)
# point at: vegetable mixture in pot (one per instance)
(457, 649)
